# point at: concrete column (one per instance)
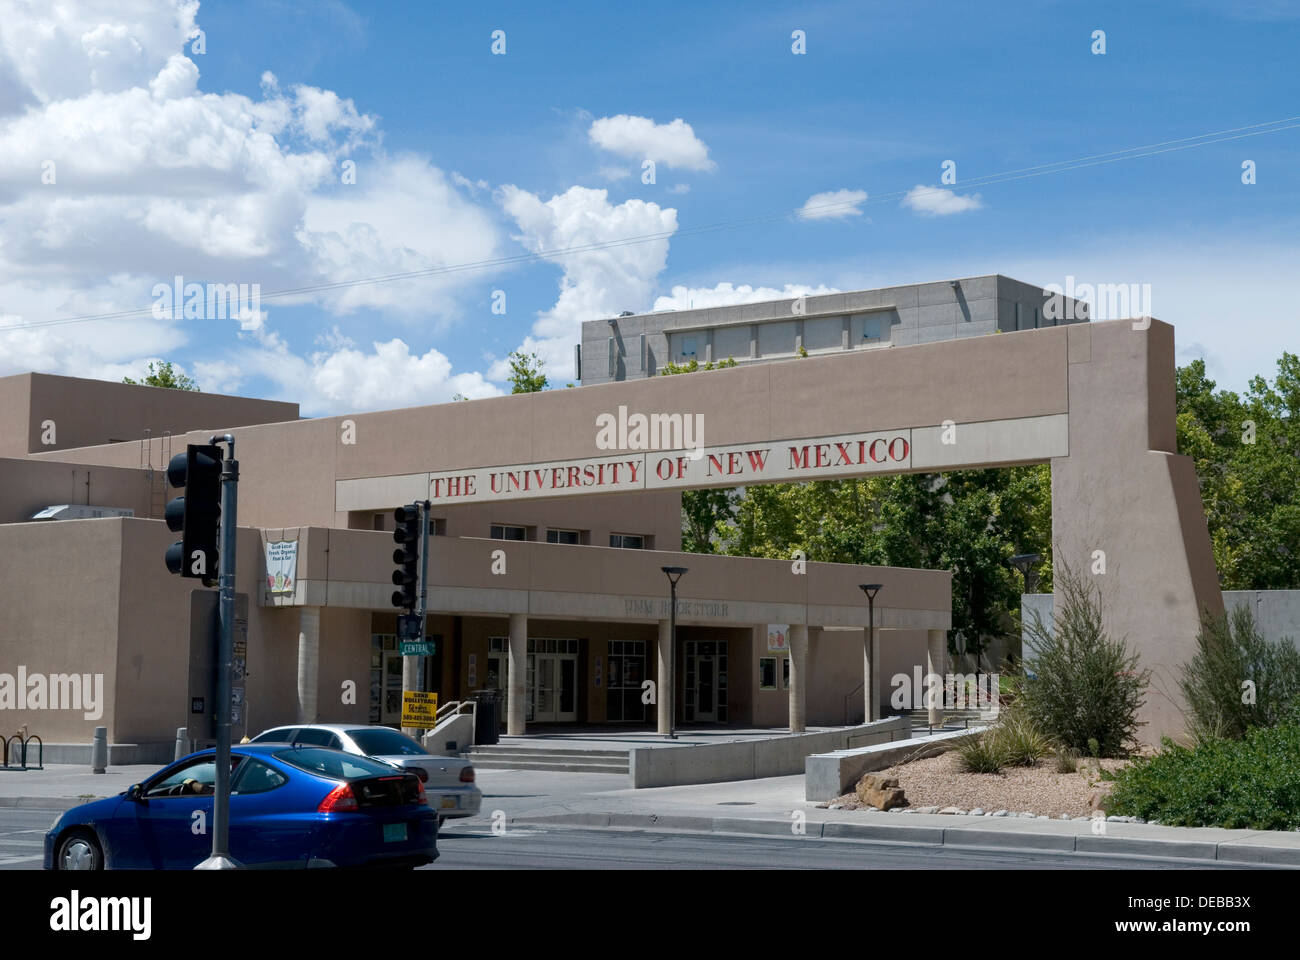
(936, 650)
(664, 680)
(308, 663)
(798, 679)
(517, 658)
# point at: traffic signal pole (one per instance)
(221, 858)
(413, 665)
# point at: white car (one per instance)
(448, 781)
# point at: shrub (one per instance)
(1019, 740)
(1067, 760)
(1249, 783)
(1229, 651)
(1085, 685)
(979, 753)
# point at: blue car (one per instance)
(290, 806)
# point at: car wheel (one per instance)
(79, 850)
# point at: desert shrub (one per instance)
(979, 753)
(1229, 651)
(1250, 783)
(1067, 760)
(1082, 686)
(1018, 739)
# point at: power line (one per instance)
(1006, 176)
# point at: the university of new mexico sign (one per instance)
(773, 461)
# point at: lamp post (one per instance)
(1025, 562)
(868, 681)
(674, 574)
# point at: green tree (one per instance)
(526, 373)
(163, 374)
(1247, 455)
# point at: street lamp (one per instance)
(870, 589)
(674, 574)
(1023, 562)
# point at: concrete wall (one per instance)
(89, 412)
(1277, 612)
(753, 758)
(27, 486)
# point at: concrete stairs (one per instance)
(504, 756)
(951, 718)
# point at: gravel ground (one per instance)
(940, 782)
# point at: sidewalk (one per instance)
(772, 807)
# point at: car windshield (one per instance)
(333, 763)
(278, 735)
(383, 742)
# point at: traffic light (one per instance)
(197, 514)
(407, 557)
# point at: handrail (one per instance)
(848, 696)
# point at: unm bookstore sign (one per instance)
(851, 454)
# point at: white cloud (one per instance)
(614, 174)
(153, 177)
(726, 295)
(835, 204)
(640, 138)
(595, 283)
(938, 202)
(680, 188)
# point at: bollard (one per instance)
(99, 751)
(182, 742)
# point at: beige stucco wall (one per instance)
(28, 485)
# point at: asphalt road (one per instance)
(545, 848)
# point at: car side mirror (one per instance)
(134, 792)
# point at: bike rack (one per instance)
(5, 752)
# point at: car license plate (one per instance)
(448, 803)
(394, 832)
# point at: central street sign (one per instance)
(418, 648)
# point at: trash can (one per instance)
(486, 730)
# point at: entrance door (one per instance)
(552, 681)
(705, 684)
(391, 702)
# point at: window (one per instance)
(377, 521)
(503, 531)
(196, 778)
(627, 540)
(785, 673)
(339, 766)
(563, 536)
(278, 735)
(317, 737)
(688, 347)
(256, 777)
(385, 743)
(767, 673)
(437, 528)
(871, 328)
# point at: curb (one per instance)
(1227, 851)
(45, 803)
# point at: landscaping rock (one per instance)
(999, 813)
(880, 792)
(927, 809)
(952, 810)
(977, 812)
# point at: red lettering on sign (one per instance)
(664, 468)
(632, 465)
(843, 450)
(714, 462)
(588, 476)
(758, 459)
(538, 475)
(575, 473)
(734, 463)
(823, 453)
(681, 467)
(898, 457)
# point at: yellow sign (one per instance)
(419, 709)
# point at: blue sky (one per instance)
(462, 156)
